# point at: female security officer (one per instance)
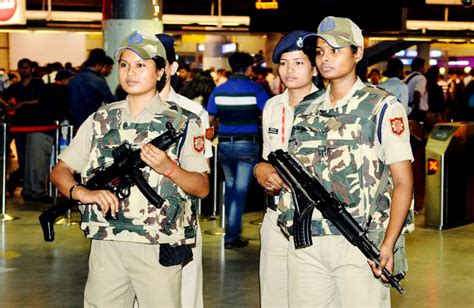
(295, 56)
(354, 139)
(128, 255)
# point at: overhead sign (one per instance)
(12, 12)
(266, 5)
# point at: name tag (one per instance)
(273, 131)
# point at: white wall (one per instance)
(47, 47)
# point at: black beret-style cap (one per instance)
(294, 40)
(168, 43)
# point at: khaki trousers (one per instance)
(120, 270)
(191, 287)
(273, 263)
(333, 273)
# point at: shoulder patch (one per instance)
(210, 133)
(198, 143)
(397, 125)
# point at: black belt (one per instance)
(237, 138)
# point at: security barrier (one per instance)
(62, 135)
(449, 190)
(3, 171)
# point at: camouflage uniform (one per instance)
(337, 146)
(342, 147)
(139, 222)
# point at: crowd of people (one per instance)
(348, 129)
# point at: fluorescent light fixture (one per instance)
(459, 63)
(417, 39)
(444, 2)
(64, 16)
(439, 25)
(209, 20)
(435, 53)
(167, 18)
(433, 62)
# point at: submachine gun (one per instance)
(118, 178)
(308, 193)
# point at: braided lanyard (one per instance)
(283, 125)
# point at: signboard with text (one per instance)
(12, 12)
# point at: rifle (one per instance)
(118, 178)
(308, 193)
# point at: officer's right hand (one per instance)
(104, 198)
(268, 177)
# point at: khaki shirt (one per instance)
(198, 110)
(191, 157)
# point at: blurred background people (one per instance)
(394, 83)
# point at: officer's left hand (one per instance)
(157, 159)
(386, 260)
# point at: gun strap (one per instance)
(383, 182)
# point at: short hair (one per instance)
(24, 61)
(417, 64)
(239, 61)
(96, 56)
(108, 61)
(394, 68)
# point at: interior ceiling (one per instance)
(294, 12)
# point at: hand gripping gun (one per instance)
(308, 193)
(118, 178)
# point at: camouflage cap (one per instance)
(340, 32)
(144, 44)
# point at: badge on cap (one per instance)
(198, 142)
(397, 125)
(327, 25)
(299, 42)
(136, 38)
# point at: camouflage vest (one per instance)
(138, 220)
(337, 147)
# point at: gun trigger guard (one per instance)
(124, 193)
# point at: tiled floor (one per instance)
(34, 273)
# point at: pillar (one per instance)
(424, 52)
(213, 56)
(121, 17)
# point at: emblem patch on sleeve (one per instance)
(210, 133)
(198, 142)
(397, 125)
